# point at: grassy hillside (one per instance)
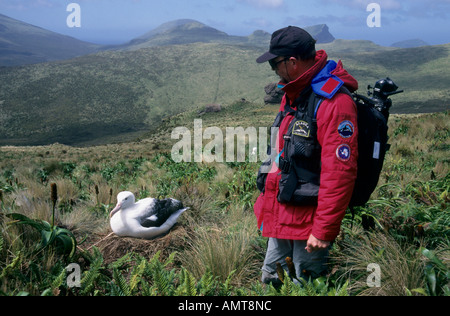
(22, 43)
(113, 96)
(115, 93)
(416, 70)
(216, 248)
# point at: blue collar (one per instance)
(325, 84)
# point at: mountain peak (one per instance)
(180, 28)
(321, 33)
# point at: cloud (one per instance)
(264, 3)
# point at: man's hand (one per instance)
(315, 244)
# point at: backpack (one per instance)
(372, 148)
(373, 115)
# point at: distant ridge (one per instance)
(187, 31)
(410, 43)
(22, 43)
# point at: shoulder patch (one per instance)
(343, 152)
(346, 129)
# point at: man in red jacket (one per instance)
(305, 231)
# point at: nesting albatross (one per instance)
(146, 219)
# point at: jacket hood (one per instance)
(349, 81)
(294, 88)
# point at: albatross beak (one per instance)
(115, 210)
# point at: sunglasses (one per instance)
(274, 64)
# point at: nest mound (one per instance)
(114, 247)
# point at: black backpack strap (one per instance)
(300, 102)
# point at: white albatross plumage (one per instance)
(146, 219)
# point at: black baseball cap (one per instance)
(289, 41)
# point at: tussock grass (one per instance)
(228, 244)
(401, 267)
(221, 252)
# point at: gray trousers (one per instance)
(307, 265)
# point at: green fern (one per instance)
(90, 276)
(154, 261)
(227, 288)
(190, 284)
(187, 284)
(55, 285)
(87, 282)
(207, 284)
(147, 290)
(2, 259)
(307, 290)
(12, 266)
(114, 290)
(59, 280)
(340, 291)
(162, 281)
(287, 287)
(257, 289)
(137, 274)
(122, 262)
(170, 260)
(161, 277)
(181, 279)
(122, 283)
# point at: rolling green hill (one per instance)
(22, 43)
(113, 93)
(416, 70)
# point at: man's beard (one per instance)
(284, 80)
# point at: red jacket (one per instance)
(338, 172)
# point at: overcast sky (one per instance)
(118, 21)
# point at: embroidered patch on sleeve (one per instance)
(346, 129)
(343, 152)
